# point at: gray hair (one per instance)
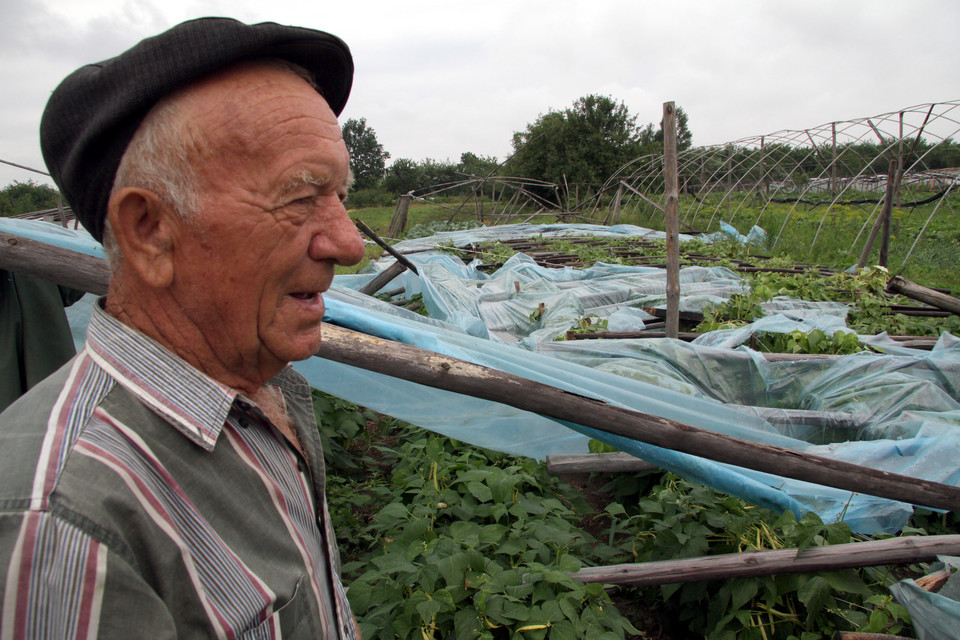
(157, 159)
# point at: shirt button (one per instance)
(301, 465)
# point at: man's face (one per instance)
(272, 170)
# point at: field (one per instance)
(444, 540)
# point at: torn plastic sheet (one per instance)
(934, 616)
(897, 413)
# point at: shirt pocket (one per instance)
(293, 620)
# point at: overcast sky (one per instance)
(437, 78)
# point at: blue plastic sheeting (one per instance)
(77, 240)
(898, 413)
(935, 616)
(931, 453)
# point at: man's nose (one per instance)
(338, 241)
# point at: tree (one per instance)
(477, 166)
(24, 197)
(367, 156)
(583, 144)
(402, 177)
(652, 139)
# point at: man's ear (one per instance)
(142, 226)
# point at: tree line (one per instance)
(580, 145)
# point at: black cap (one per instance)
(91, 117)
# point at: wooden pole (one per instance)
(763, 168)
(898, 284)
(399, 221)
(382, 279)
(617, 199)
(435, 370)
(671, 201)
(370, 233)
(616, 462)
(887, 207)
(69, 268)
(833, 162)
(751, 564)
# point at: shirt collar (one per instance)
(193, 402)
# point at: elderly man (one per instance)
(168, 481)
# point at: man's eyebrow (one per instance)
(303, 178)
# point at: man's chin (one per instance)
(301, 349)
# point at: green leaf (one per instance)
(452, 569)
(492, 533)
(847, 581)
(814, 594)
(466, 533)
(428, 609)
(742, 591)
(515, 611)
(480, 491)
(393, 563)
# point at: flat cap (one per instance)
(92, 115)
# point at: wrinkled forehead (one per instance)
(253, 107)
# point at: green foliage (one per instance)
(590, 323)
(444, 540)
(25, 197)
(370, 197)
(472, 165)
(474, 543)
(432, 228)
(814, 342)
(402, 176)
(583, 144)
(405, 175)
(341, 423)
(678, 519)
(367, 156)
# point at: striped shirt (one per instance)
(140, 498)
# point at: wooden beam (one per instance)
(69, 268)
(898, 284)
(370, 233)
(383, 278)
(751, 564)
(617, 462)
(884, 214)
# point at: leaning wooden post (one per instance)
(671, 196)
(887, 208)
(833, 162)
(399, 221)
(617, 199)
(763, 169)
